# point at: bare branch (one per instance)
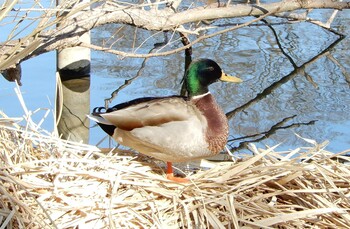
(46, 37)
(201, 38)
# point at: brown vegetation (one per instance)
(47, 182)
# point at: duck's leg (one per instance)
(170, 174)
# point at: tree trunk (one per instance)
(73, 97)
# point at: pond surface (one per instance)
(312, 102)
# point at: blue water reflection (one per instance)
(319, 93)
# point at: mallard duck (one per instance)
(173, 128)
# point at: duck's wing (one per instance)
(148, 112)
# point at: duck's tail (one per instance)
(97, 118)
(103, 123)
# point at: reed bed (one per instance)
(47, 182)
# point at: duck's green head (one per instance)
(203, 72)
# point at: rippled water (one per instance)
(318, 95)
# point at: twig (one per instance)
(283, 80)
(129, 81)
(136, 55)
(268, 133)
(280, 45)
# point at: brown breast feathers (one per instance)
(217, 131)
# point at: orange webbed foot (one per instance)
(170, 175)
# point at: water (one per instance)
(319, 95)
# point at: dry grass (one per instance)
(47, 182)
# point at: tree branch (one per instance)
(66, 34)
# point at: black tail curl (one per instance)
(99, 110)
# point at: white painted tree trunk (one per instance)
(73, 96)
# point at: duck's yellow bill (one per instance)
(228, 78)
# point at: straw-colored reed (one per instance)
(47, 182)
